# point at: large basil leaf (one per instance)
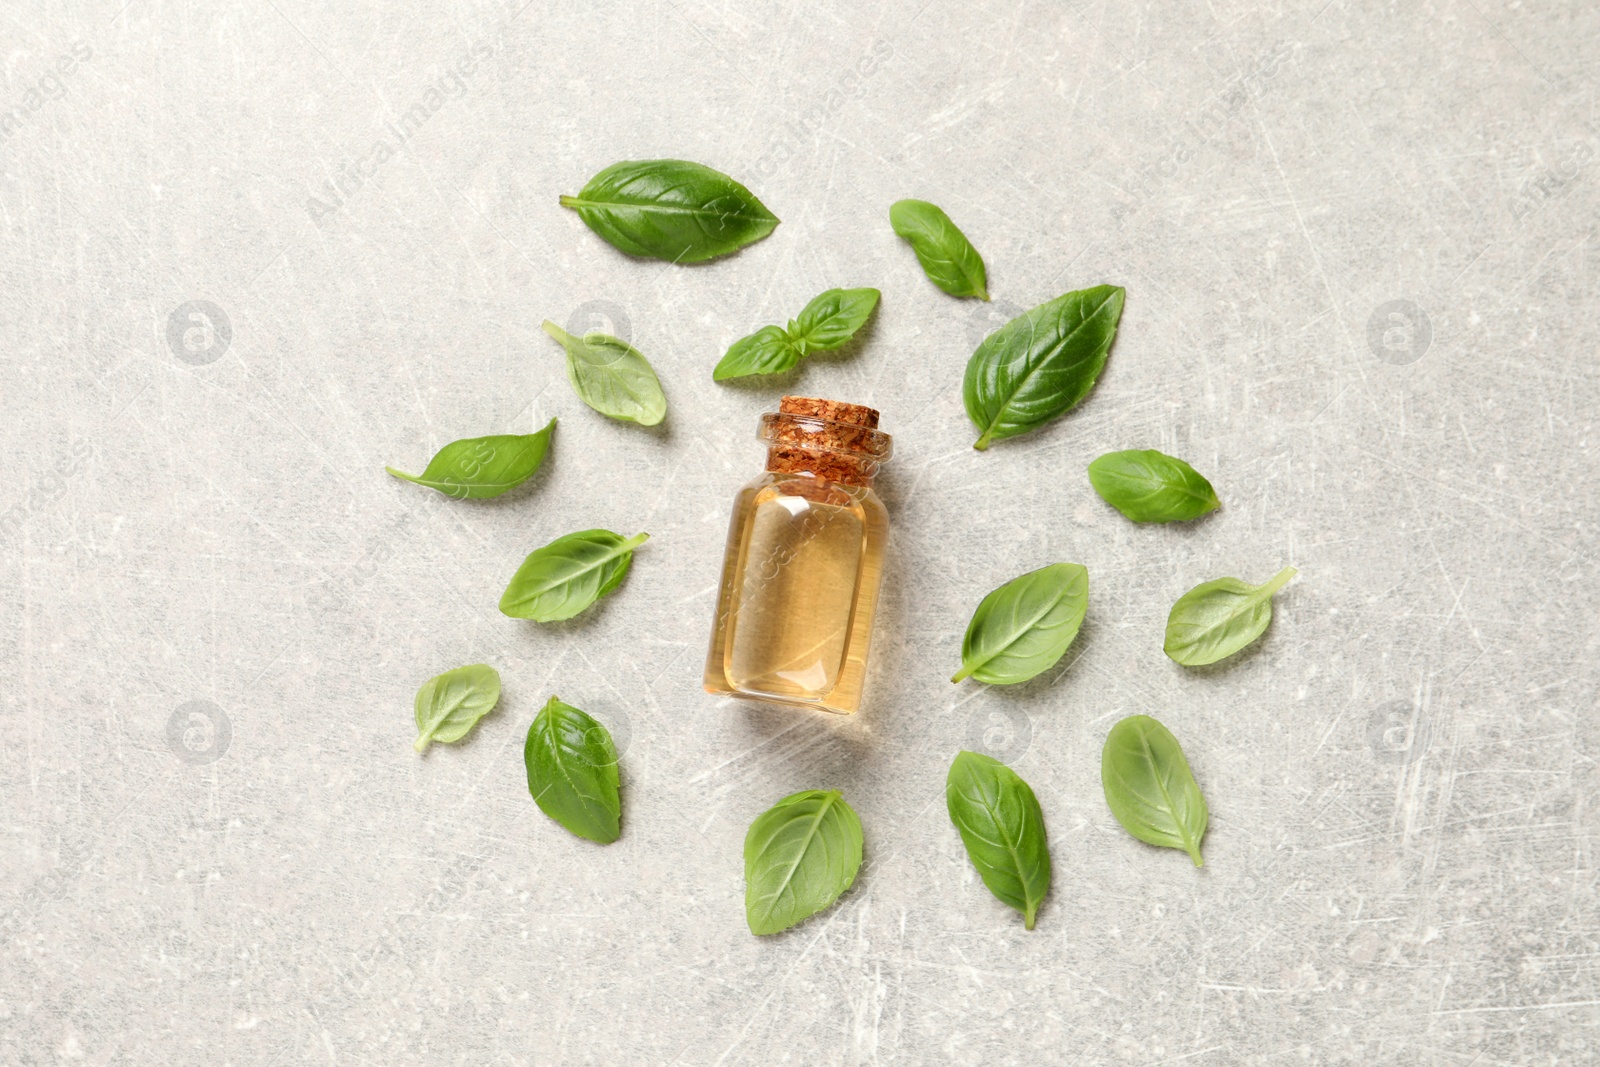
(1218, 618)
(1150, 788)
(612, 376)
(1150, 486)
(798, 857)
(572, 771)
(1003, 829)
(1025, 626)
(828, 321)
(449, 705)
(1040, 364)
(567, 575)
(947, 257)
(670, 209)
(477, 468)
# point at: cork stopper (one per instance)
(827, 438)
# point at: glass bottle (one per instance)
(804, 561)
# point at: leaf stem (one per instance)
(962, 673)
(982, 443)
(570, 201)
(1278, 581)
(422, 742)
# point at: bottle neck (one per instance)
(825, 439)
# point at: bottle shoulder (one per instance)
(816, 491)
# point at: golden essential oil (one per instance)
(804, 561)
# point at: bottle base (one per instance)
(783, 700)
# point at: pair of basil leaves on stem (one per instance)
(1148, 787)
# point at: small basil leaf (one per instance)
(612, 376)
(477, 468)
(567, 575)
(1040, 364)
(572, 771)
(1025, 626)
(767, 351)
(947, 257)
(799, 856)
(1150, 486)
(831, 319)
(1215, 619)
(449, 705)
(1149, 787)
(670, 209)
(1003, 829)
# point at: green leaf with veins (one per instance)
(799, 856)
(477, 468)
(1215, 619)
(1150, 788)
(671, 209)
(572, 771)
(450, 704)
(1003, 829)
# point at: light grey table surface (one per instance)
(1358, 245)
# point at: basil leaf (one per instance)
(828, 321)
(567, 575)
(612, 376)
(767, 351)
(1215, 619)
(1025, 626)
(1003, 829)
(1150, 486)
(947, 257)
(477, 468)
(672, 210)
(831, 319)
(1040, 364)
(572, 771)
(798, 857)
(1149, 787)
(449, 705)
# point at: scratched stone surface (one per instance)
(255, 252)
